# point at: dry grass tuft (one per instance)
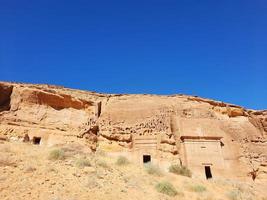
(82, 162)
(122, 160)
(233, 195)
(57, 154)
(153, 169)
(102, 163)
(240, 192)
(100, 152)
(72, 149)
(180, 170)
(198, 188)
(166, 188)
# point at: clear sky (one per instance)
(213, 49)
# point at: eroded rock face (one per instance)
(5, 93)
(59, 115)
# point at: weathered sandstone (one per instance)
(169, 128)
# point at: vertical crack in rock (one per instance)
(175, 129)
(99, 109)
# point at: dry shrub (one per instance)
(240, 192)
(233, 195)
(153, 169)
(102, 163)
(166, 188)
(56, 154)
(100, 152)
(122, 160)
(208, 196)
(180, 170)
(198, 188)
(72, 149)
(82, 162)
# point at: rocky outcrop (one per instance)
(59, 114)
(55, 113)
(259, 120)
(5, 93)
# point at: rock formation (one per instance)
(112, 121)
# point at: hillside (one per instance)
(217, 140)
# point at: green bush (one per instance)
(82, 162)
(166, 188)
(56, 154)
(122, 160)
(153, 169)
(180, 170)
(198, 188)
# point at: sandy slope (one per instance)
(27, 173)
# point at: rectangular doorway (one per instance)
(36, 140)
(208, 172)
(146, 158)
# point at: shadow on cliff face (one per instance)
(5, 97)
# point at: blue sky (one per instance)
(213, 49)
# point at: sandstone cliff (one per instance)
(59, 114)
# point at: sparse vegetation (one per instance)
(166, 188)
(180, 170)
(207, 197)
(100, 152)
(72, 150)
(240, 192)
(198, 188)
(122, 160)
(233, 195)
(82, 162)
(102, 163)
(56, 154)
(153, 169)
(99, 179)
